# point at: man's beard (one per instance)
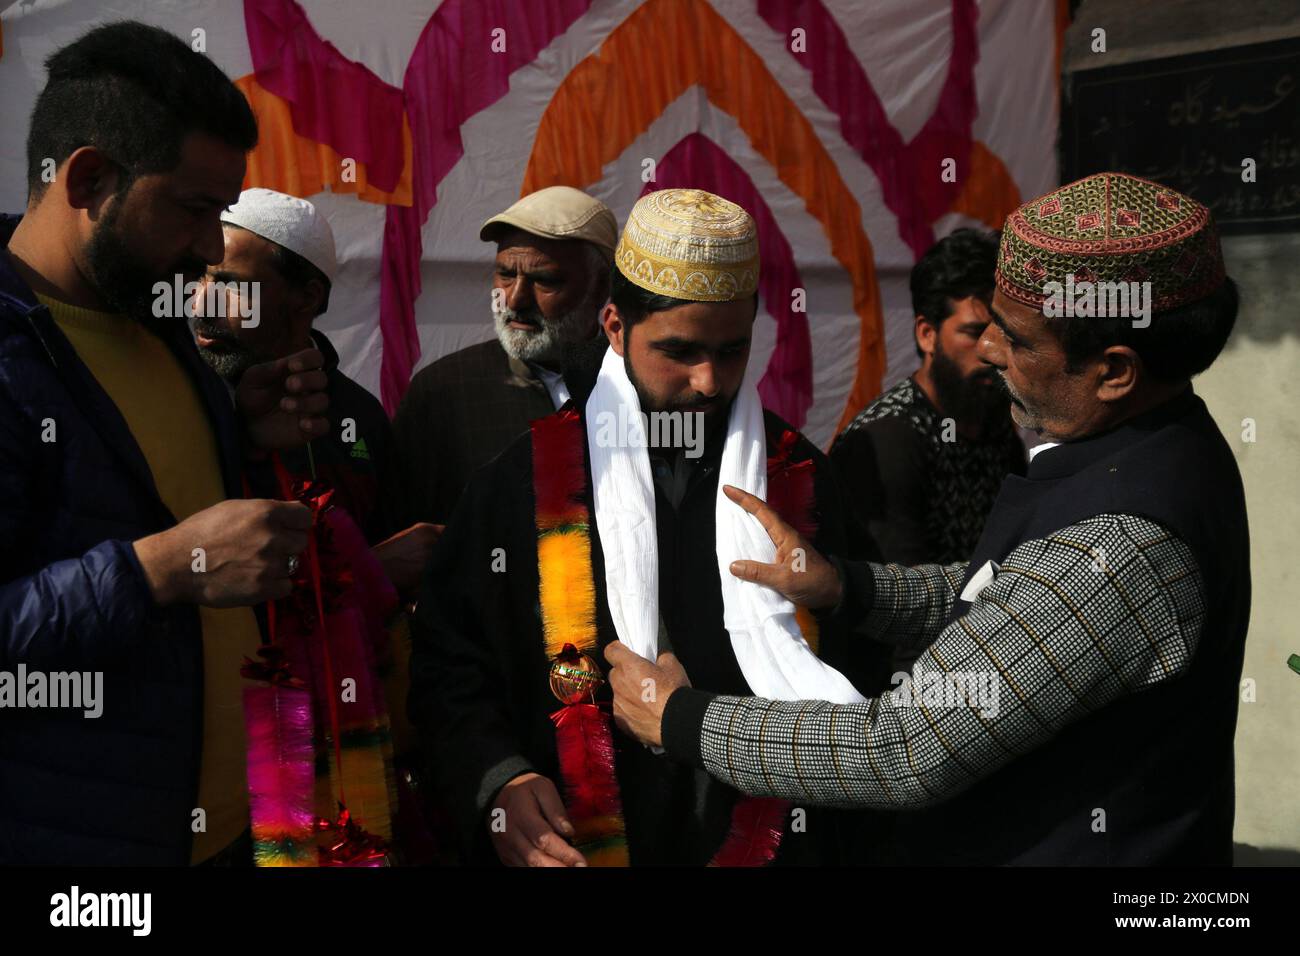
(124, 282)
(977, 401)
(715, 409)
(1023, 415)
(549, 339)
(232, 361)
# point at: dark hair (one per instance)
(135, 92)
(297, 271)
(635, 303)
(956, 267)
(1177, 344)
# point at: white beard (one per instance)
(538, 345)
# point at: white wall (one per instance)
(1257, 378)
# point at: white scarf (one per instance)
(774, 658)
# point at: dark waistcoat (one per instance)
(1157, 764)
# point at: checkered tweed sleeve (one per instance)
(1070, 622)
(909, 605)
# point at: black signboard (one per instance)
(1189, 122)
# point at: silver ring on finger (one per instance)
(293, 565)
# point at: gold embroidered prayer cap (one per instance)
(558, 212)
(689, 244)
(1112, 227)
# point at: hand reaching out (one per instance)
(800, 573)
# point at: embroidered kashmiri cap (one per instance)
(689, 244)
(1112, 227)
(558, 212)
(288, 221)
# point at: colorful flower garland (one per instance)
(567, 595)
(329, 628)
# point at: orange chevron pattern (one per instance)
(607, 92)
(989, 194)
(298, 165)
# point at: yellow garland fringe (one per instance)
(567, 591)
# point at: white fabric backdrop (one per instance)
(904, 46)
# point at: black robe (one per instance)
(480, 697)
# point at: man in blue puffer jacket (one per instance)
(128, 562)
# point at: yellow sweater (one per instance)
(168, 421)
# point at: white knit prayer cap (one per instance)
(287, 221)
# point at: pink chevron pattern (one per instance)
(332, 99)
(908, 172)
(452, 75)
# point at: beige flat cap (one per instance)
(558, 212)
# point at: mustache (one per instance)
(531, 316)
(699, 403)
(1003, 387)
(215, 333)
(190, 268)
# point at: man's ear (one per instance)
(926, 335)
(313, 298)
(89, 178)
(1120, 372)
(614, 327)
